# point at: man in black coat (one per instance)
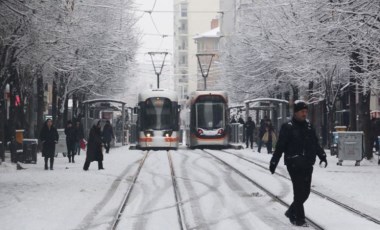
(71, 136)
(299, 141)
(262, 130)
(79, 136)
(107, 136)
(49, 138)
(249, 129)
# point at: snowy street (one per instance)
(212, 195)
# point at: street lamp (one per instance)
(205, 67)
(158, 71)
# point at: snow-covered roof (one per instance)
(267, 99)
(104, 100)
(214, 33)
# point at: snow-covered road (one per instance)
(212, 195)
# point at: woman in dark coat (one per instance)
(107, 135)
(94, 147)
(49, 138)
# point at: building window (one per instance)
(184, 10)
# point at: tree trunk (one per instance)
(365, 118)
(54, 100)
(40, 102)
(355, 68)
(66, 112)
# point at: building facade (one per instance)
(190, 19)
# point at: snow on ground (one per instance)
(67, 197)
(213, 196)
(355, 186)
(152, 203)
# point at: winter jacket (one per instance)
(94, 145)
(298, 140)
(107, 133)
(70, 135)
(262, 129)
(249, 127)
(49, 138)
(79, 133)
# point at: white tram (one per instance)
(158, 120)
(207, 120)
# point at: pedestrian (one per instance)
(233, 120)
(241, 120)
(299, 141)
(71, 137)
(262, 130)
(79, 136)
(94, 147)
(49, 138)
(249, 129)
(269, 137)
(107, 135)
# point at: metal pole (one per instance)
(158, 80)
(158, 72)
(204, 78)
(123, 124)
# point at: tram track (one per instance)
(315, 192)
(177, 194)
(128, 193)
(270, 194)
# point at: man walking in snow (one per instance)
(299, 141)
(249, 127)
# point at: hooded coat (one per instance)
(94, 145)
(49, 138)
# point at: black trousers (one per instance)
(87, 165)
(51, 162)
(70, 150)
(301, 179)
(250, 139)
(107, 146)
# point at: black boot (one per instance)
(69, 159)
(72, 159)
(51, 163)
(100, 165)
(46, 163)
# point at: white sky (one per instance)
(152, 42)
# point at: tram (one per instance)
(158, 120)
(207, 120)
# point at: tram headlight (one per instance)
(167, 133)
(148, 133)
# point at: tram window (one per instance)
(210, 115)
(157, 114)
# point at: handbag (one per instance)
(83, 144)
(265, 138)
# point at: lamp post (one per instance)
(158, 71)
(205, 71)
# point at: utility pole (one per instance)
(158, 71)
(205, 71)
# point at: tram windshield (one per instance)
(157, 114)
(210, 115)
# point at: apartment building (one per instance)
(191, 18)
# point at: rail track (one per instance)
(270, 194)
(128, 193)
(320, 194)
(177, 194)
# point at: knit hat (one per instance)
(299, 105)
